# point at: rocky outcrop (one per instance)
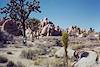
(5, 38)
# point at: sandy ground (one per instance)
(15, 56)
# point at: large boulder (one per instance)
(61, 53)
(10, 27)
(5, 38)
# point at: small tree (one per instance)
(19, 10)
(65, 44)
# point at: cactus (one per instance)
(65, 45)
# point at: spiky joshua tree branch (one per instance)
(19, 10)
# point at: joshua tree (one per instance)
(65, 44)
(19, 10)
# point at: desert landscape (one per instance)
(41, 52)
(63, 34)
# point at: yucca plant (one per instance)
(65, 45)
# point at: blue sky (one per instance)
(84, 13)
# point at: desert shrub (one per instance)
(2, 44)
(77, 46)
(38, 62)
(56, 62)
(19, 64)
(85, 34)
(3, 59)
(28, 54)
(17, 46)
(43, 62)
(12, 64)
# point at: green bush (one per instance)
(65, 45)
(65, 39)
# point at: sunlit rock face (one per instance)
(10, 26)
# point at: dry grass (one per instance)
(28, 54)
(77, 46)
(12, 64)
